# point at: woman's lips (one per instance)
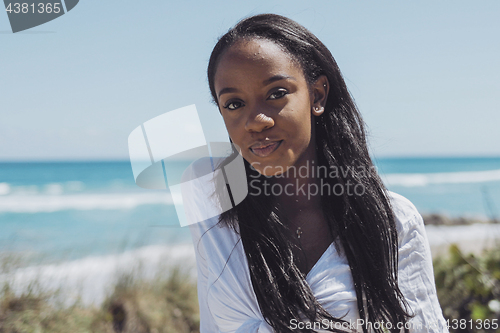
(266, 149)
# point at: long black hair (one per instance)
(365, 224)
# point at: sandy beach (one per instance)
(469, 238)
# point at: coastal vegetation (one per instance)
(166, 304)
(468, 288)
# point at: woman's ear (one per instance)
(319, 95)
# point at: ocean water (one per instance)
(468, 187)
(69, 210)
(64, 211)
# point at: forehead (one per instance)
(254, 59)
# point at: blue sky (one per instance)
(424, 74)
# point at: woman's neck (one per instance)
(300, 189)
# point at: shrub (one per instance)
(468, 289)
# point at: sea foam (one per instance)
(424, 179)
(35, 203)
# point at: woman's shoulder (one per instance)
(406, 214)
(211, 226)
(402, 207)
(212, 233)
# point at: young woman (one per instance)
(318, 244)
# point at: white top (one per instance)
(228, 302)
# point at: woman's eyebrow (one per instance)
(277, 78)
(226, 91)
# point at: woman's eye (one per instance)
(233, 105)
(278, 94)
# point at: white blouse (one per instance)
(228, 302)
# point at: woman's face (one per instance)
(267, 105)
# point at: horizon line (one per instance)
(126, 159)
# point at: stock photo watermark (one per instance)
(359, 323)
(26, 14)
(318, 176)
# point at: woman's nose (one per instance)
(258, 122)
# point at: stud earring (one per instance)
(317, 109)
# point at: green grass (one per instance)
(167, 304)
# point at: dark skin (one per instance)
(268, 109)
(315, 237)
